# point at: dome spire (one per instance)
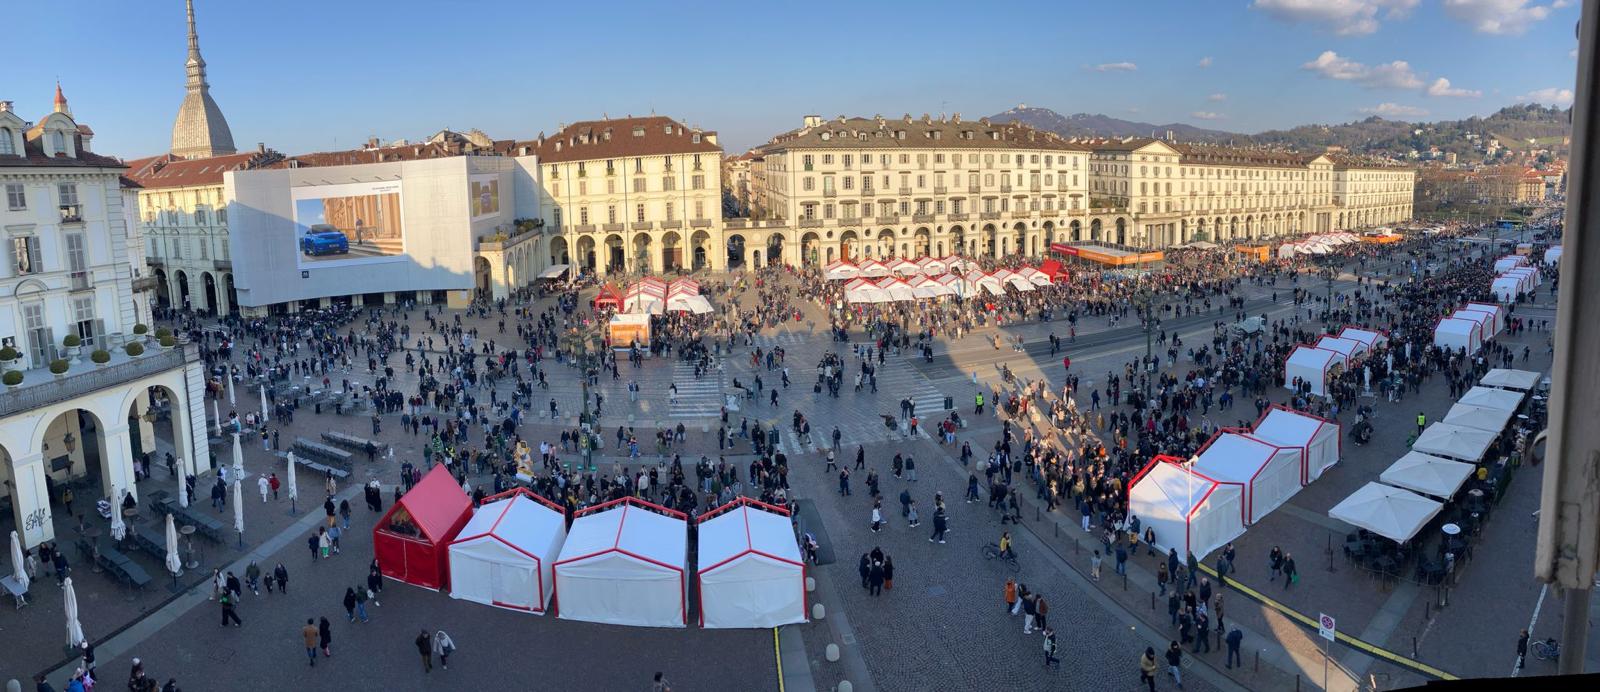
(200, 130)
(61, 101)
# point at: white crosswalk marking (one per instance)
(865, 431)
(696, 398)
(784, 339)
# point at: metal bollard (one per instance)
(831, 653)
(845, 686)
(1258, 661)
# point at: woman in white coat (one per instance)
(443, 646)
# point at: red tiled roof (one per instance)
(654, 135)
(170, 171)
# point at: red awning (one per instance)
(1063, 249)
(1050, 268)
(609, 296)
(437, 504)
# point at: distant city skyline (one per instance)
(751, 71)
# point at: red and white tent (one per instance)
(1454, 334)
(978, 280)
(623, 563)
(902, 267)
(1034, 276)
(411, 541)
(1269, 473)
(1317, 438)
(1349, 348)
(1370, 337)
(898, 290)
(874, 269)
(1485, 321)
(931, 266)
(1496, 315)
(840, 270)
(1311, 364)
(1188, 510)
(504, 555)
(750, 573)
(683, 287)
(957, 263)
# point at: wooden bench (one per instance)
(351, 442)
(121, 566)
(322, 452)
(151, 539)
(322, 469)
(203, 525)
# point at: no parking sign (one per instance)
(1325, 626)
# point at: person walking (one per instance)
(877, 515)
(1422, 422)
(1011, 594)
(1029, 611)
(1175, 663)
(265, 486)
(1275, 563)
(362, 594)
(325, 636)
(350, 604)
(1094, 566)
(940, 525)
(1522, 648)
(875, 577)
(424, 644)
(1147, 668)
(1234, 639)
(1290, 574)
(375, 582)
(309, 634)
(1050, 648)
(443, 646)
(228, 612)
(252, 577)
(281, 575)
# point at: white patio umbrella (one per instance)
(183, 486)
(294, 492)
(119, 530)
(174, 564)
(216, 419)
(231, 401)
(238, 509)
(238, 459)
(19, 569)
(265, 416)
(74, 628)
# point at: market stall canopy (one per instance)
(1317, 438)
(504, 555)
(750, 570)
(874, 269)
(931, 266)
(1388, 511)
(1454, 441)
(1505, 288)
(1270, 474)
(411, 541)
(1493, 398)
(1311, 364)
(1427, 474)
(1034, 276)
(609, 297)
(1495, 313)
(1457, 334)
(1519, 380)
(696, 304)
(1508, 263)
(554, 271)
(1349, 348)
(1188, 511)
(901, 267)
(623, 564)
(1372, 338)
(840, 270)
(1480, 417)
(1552, 255)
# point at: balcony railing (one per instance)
(905, 192)
(974, 189)
(886, 220)
(641, 225)
(922, 218)
(1005, 187)
(615, 227)
(584, 228)
(810, 223)
(700, 223)
(71, 213)
(144, 283)
(868, 192)
(957, 217)
(731, 223)
(830, 192)
(222, 264)
(672, 224)
(989, 215)
(1034, 187)
(80, 281)
(940, 190)
(40, 388)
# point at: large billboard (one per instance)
(484, 193)
(348, 224)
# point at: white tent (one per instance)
(897, 290)
(1552, 255)
(1034, 276)
(1427, 474)
(1313, 365)
(874, 269)
(1349, 348)
(750, 570)
(1453, 334)
(1454, 441)
(623, 564)
(1496, 315)
(1370, 337)
(1517, 380)
(1479, 417)
(689, 303)
(1493, 398)
(903, 267)
(1528, 275)
(1505, 288)
(931, 266)
(1508, 263)
(1387, 511)
(979, 280)
(1317, 438)
(1269, 473)
(504, 555)
(956, 285)
(840, 270)
(865, 292)
(1485, 321)
(554, 271)
(1188, 511)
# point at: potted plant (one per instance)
(167, 341)
(9, 355)
(58, 367)
(134, 349)
(72, 343)
(140, 331)
(12, 378)
(100, 357)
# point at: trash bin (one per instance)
(772, 437)
(949, 403)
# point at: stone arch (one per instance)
(1049, 234)
(700, 249)
(1077, 231)
(775, 254)
(810, 246)
(735, 250)
(958, 240)
(885, 244)
(671, 251)
(559, 254)
(1122, 231)
(990, 240)
(922, 244)
(183, 289)
(639, 256)
(615, 254)
(849, 245)
(1094, 230)
(1020, 244)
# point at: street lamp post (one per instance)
(580, 338)
(1328, 275)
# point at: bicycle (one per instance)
(1547, 650)
(991, 551)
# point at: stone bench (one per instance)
(321, 452)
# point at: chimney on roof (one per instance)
(5, 106)
(261, 147)
(1171, 137)
(955, 118)
(907, 118)
(811, 121)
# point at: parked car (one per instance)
(322, 239)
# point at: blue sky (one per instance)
(310, 76)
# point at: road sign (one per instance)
(1325, 626)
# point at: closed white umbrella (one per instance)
(119, 530)
(294, 492)
(265, 416)
(19, 571)
(183, 485)
(174, 564)
(238, 458)
(216, 419)
(74, 628)
(231, 401)
(238, 510)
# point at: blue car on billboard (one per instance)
(323, 239)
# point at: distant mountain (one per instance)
(1097, 125)
(1512, 126)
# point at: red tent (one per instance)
(609, 297)
(412, 540)
(1052, 268)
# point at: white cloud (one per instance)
(1395, 110)
(1342, 17)
(1499, 16)
(1217, 97)
(1206, 115)
(1391, 75)
(1115, 67)
(1550, 97)
(1133, 109)
(1441, 87)
(1205, 62)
